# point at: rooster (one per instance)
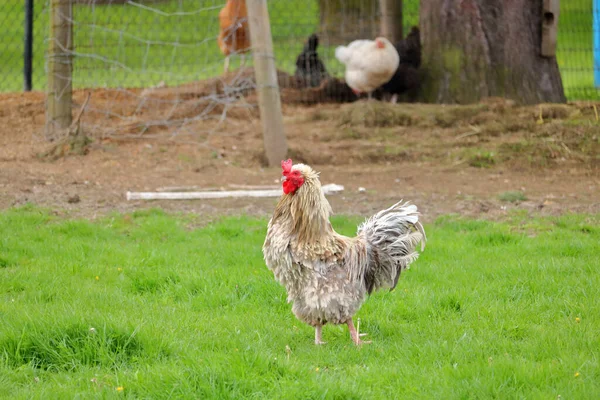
(369, 63)
(234, 35)
(327, 276)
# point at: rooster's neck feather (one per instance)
(307, 212)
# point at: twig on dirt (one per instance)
(81, 110)
(540, 119)
(331, 188)
(475, 131)
(565, 147)
(75, 141)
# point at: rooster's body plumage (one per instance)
(327, 275)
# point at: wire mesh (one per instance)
(576, 48)
(12, 36)
(157, 66)
(157, 63)
(121, 43)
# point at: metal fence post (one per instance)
(28, 45)
(60, 68)
(596, 45)
(266, 81)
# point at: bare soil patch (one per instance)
(446, 159)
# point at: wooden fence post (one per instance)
(266, 81)
(60, 68)
(391, 20)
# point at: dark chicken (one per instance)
(407, 77)
(310, 70)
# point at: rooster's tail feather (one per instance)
(391, 237)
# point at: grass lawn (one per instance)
(175, 42)
(148, 305)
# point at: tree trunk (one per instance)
(474, 49)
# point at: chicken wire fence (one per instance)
(156, 64)
(12, 44)
(159, 68)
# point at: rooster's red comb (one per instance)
(286, 166)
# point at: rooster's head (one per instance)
(303, 204)
(297, 175)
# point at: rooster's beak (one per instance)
(283, 179)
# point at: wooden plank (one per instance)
(329, 189)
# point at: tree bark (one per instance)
(474, 49)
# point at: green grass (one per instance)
(512, 196)
(148, 303)
(129, 46)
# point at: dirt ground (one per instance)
(446, 159)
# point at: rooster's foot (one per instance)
(355, 335)
(359, 342)
(318, 335)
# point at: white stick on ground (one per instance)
(214, 189)
(331, 188)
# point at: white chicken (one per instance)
(369, 63)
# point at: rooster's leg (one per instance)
(318, 335)
(242, 60)
(354, 333)
(394, 99)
